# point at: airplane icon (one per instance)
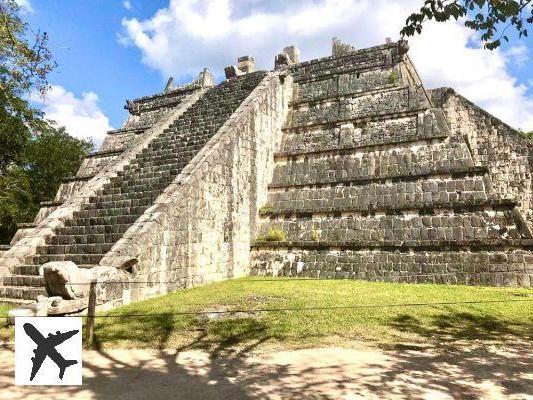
(46, 347)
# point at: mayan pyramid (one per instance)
(339, 167)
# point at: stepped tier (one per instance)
(416, 127)
(424, 193)
(345, 84)
(410, 229)
(398, 100)
(382, 57)
(398, 162)
(91, 232)
(509, 267)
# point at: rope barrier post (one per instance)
(89, 327)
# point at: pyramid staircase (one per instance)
(371, 184)
(92, 231)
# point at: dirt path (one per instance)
(323, 373)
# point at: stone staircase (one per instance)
(93, 231)
(370, 184)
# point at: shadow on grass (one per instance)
(453, 326)
(149, 330)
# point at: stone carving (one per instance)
(65, 279)
(290, 55)
(246, 64)
(232, 72)
(68, 287)
(338, 48)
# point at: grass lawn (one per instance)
(6, 333)
(390, 326)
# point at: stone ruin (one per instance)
(339, 167)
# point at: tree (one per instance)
(25, 63)
(50, 157)
(47, 159)
(16, 202)
(34, 155)
(491, 18)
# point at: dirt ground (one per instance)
(477, 372)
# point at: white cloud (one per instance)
(25, 5)
(444, 57)
(126, 4)
(518, 54)
(188, 35)
(80, 116)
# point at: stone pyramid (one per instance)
(340, 167)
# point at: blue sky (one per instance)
(112, 50)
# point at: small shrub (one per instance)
(266, 209)
(527, 135)
(315, 235)
(275, 235)
(393, 77)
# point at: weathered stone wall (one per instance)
(334, 86)
(424, 193)
(200, 229)
(420, 126)
(493, 144)
(465, 228)
(96, 161)
(403, 99)
(509, 268)
(401, 161)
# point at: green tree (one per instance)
(491, 18)
(16, 202)
(50, 157)
(34, 156)
(25, 63)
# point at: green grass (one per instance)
(6, 333)
(382, 326)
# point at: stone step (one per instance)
(107, 198)
(23, 280)
(159, 179)
(151, 169)
(83, 239)
(90, 248)
(108, 212)
(94, 229)
(111, 220)
(34, 269)
(157, 187)
(21, 292)
(26, 270)
(92, 259)
(141, 202)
